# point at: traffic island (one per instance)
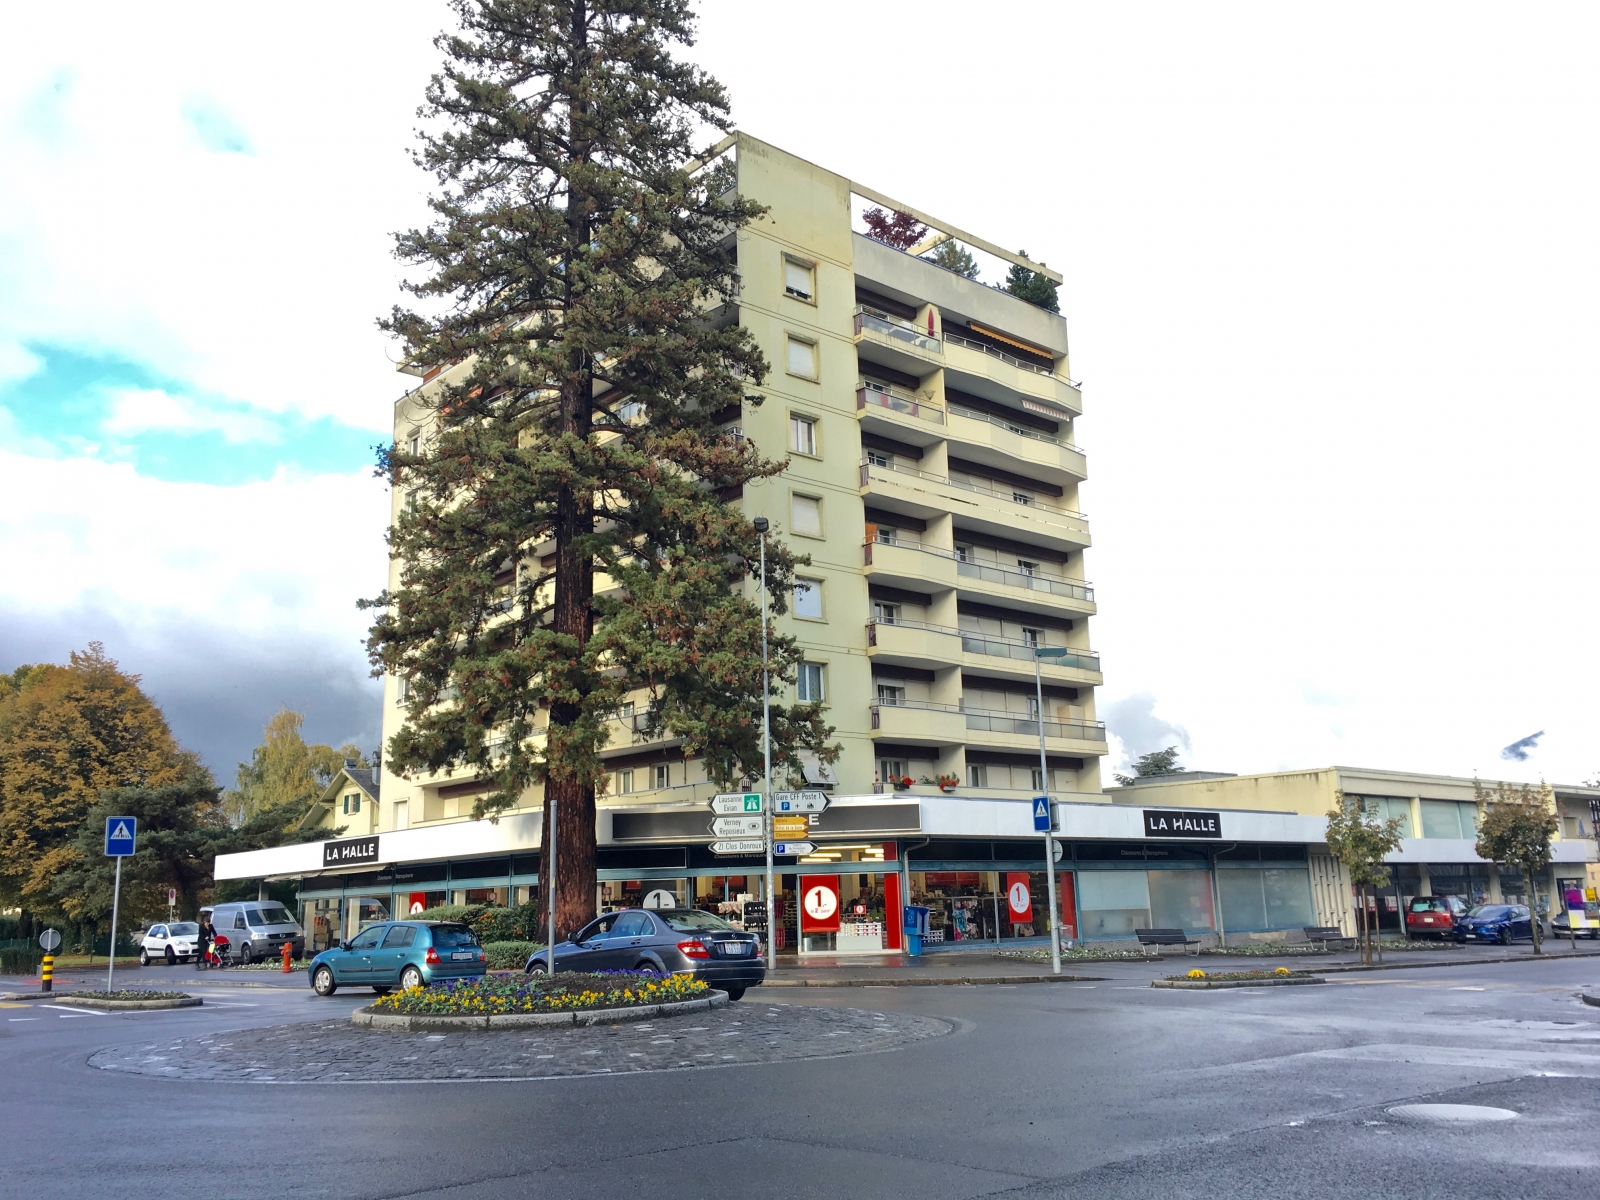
(130, 998)
(540, 1001)
(1282, 977)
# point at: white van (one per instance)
(258, 929)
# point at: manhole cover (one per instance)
(1452, 1114)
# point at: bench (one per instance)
(1153, 939)
(1323, 934)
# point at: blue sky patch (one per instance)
(80, 405)
(218, 131)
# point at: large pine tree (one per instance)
(580, 271)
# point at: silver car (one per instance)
(257, 929)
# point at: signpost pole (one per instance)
(766, 750)
(116, 898)
(550, 889)
(1044, 788)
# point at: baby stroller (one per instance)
(219, 953)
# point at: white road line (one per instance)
(87, 1012)
(24, 1018)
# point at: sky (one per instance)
(1329, 278)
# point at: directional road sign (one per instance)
(49, 940)
(739, 846)
(731, 804)
(737, 827)
(120, 832)
(790, 826)
(1041, 814)
(793, 847)
(799, 802)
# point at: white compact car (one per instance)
(171, 943)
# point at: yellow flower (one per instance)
(1197, 974)
(1282, 971)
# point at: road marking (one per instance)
(87, 1012)
(24, 1018)
(217, 1004)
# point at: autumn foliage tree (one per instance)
(898, 229)
(576, 272)
(1516, 823)
(285, 773)
(1359, 842)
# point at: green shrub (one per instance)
(509, 955)
(507, 924)
(464, 913)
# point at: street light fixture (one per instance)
(760, 524)
(1040, 653)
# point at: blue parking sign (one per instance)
(1041, 814)
(120, 832)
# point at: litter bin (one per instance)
(916, 927)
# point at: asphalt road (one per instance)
(1103, 1090)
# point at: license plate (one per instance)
(463, 956)
(736, 948)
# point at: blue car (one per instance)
(1502, 923)
(401, 954)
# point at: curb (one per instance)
(91, 1002)
(1232, 983)
(954, 981)
(443, 1023)
(1589, 998)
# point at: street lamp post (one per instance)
(766, 749)
(1043, 652)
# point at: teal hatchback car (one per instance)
(401, 954)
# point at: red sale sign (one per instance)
(1018, 898)
(819, 904)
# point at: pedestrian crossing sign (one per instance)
(1041, 814)
(120, 832)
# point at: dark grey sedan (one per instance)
(671, 941)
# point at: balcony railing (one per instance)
(897, 401)
(999, 722)
(867, 317)
(869, 464)
(1012, 359)
(993, 645)
(918, 705)
(1021, 579)
(973, 414)
(1012, 494)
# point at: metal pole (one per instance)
(550, 947)
(116, 899)
(766, 750)
(1049, 846)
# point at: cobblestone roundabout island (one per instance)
(749, 1032)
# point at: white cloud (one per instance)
(143, 410)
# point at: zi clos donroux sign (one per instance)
(348, 851)
(1164, 823)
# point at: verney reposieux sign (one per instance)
(345, 851)
(1177, 823)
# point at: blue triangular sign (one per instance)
(1039, 810)
(120, 833)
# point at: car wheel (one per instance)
(171, 957)
(538, 967)
(410, 978)
(144, 957)
(245, 957)
(1505, 937)
(322, 982)
(734, 993)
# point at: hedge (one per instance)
(509, 956)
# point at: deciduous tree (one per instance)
(578, 269)
(1360, 842)
(898, 229)
(1157, 762)
(1516, 823)
(284, 772)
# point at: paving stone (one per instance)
(339, 1052)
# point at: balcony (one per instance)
(928, 646)
(997, 442)
(913, 644)
(898, 414)
(630, 730)
(919, 723)
(1010, 731)
(882, 338)
(900, 562)
(924, 495)
(1021, 590)
(995, 375)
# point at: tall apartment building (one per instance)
(930, 423)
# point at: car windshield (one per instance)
(691, 921)
(183, 929)
(1426, 906)
(268, 914)
(1490, 912)
(456, 937)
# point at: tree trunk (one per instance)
(1533, 911)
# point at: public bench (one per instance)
(1154, 939)
(1324, 934)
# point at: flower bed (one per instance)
(124, 994)
(1279, 973)
(1279, 977)
(564, 992)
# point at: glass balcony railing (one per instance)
(1022, 579)
(884, 463)
(998, 722)
(880, 322)
(973, 414)
(994, 645)
(1015, 495)
(1011, 359)
(897, 401)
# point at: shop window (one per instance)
(1112, 904)
(1182, 900)
(809, 683)
(1287, 892)
(1244, 907)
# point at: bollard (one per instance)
(47, 973)
(288, 949)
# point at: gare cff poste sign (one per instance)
(349, 851)
(1177, 823)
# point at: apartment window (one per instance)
(402, 815)
(885, 614)
(977, 775)
(630, 410)
(352, 802)
(411, 501)
(625, 782)
(803, 435)
(808, 683)
(1022, 497)
(891, 770)
(889, 537)
(805, 516)
(799, 279)
(1026, 567)
(416, 446)
(879, 459)
(1033, 708)
(963, 553)
(663, 775)
(801, 358)
(402, 690)
(891, 694)
(1037, 776)
(1032, 637)
(808, 599)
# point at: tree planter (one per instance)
(442, 1023)
(1288, 981)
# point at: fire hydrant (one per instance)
(288, 949)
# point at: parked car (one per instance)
(1560, 927)
(670, 941)
(1502, 923)
(1434, 915)
(404, 954)
(172, 942)
(258, 929)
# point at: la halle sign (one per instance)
(1180, 823)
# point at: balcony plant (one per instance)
(945, 783)
(901, 782)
